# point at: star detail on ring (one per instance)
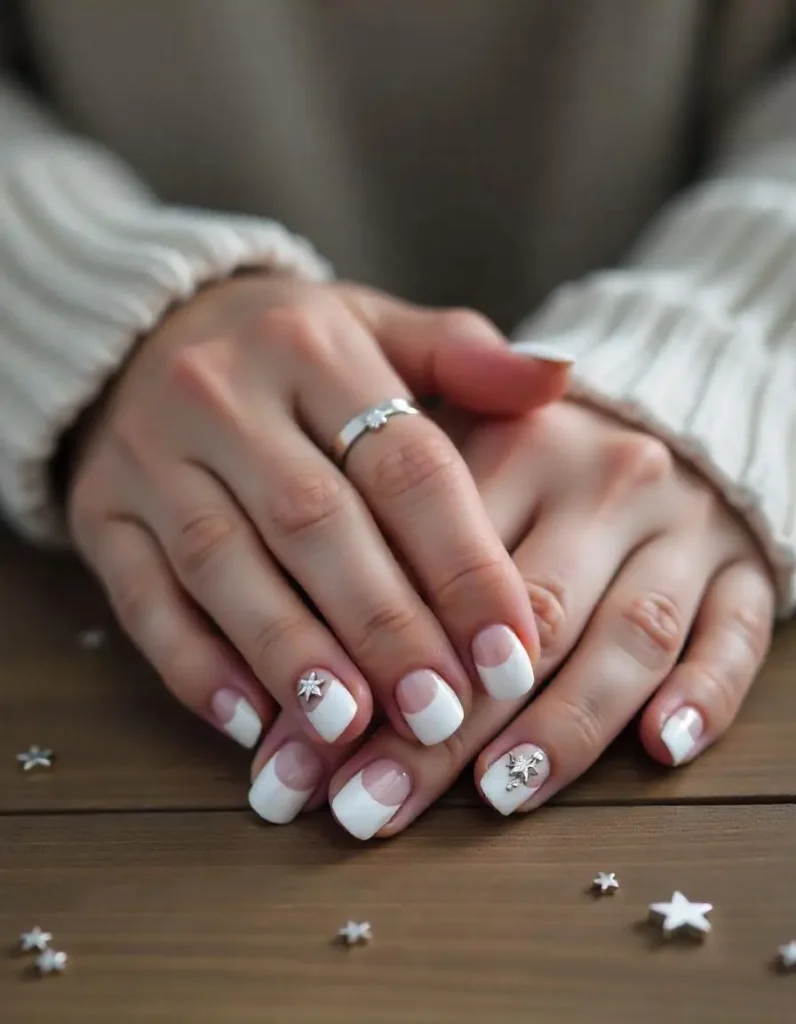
(786, 956)
(522, 768)
(51, 961)
(35, 757)
(605, 882)
(680, 915)
(356, 931)
(310, 686)
(34, 939)
(376, 419)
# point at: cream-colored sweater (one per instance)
(469, 152)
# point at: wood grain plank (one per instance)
(124, 743)
(209, 917)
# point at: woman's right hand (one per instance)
(241, 560)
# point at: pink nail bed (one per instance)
(236, 716)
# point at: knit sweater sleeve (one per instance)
(694, 338)
(90, 261)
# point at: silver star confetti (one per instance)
(35, 757)
(51, 961)
(91, 639)
(310, 686)
(682, 916)
(605, 882)
(356, 931)
(522, 768)
(376, 419)
(786, 955)
(34, 939)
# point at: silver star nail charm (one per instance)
(91, 639)
(605, 882)
(356, 931)
(34, 939)
(35, 757)
(682, 916)
(786, 955)
(522, 768)
(310, 686)
(51, 961)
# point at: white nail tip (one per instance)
(245, 726)
(440, 719)
(273, 800)
(358, 812)
(513, 679)
(493, 786)
(334, 713)
(679, 733)
(546, 353)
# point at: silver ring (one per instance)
(368, 422)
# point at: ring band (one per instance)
(368, 422)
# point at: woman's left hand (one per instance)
(647, 590)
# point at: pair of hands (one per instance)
(241, 560)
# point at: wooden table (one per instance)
(176, 905)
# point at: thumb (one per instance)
(460, 356)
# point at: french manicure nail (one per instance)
(545, 353)
(681, 733)
(327, 704)
(430, 707)
(236, 717)
(503, 664)
(371, 798)
(515, 777)
(285, 783)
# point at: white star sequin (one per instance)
(356, 931)
(310, 686)
(34, 939)
(376, 419)
(787, 955)
(521, 768)
(51, 961)
(605, 882)
(35, 757)
(681, 915)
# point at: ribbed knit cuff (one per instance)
(89, 262)
(660, 359)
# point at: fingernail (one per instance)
(503, 664)
(515, 777)
(327, 704)
(681, 733)
(368, 801)
(432, 710)
(286, 783)
(236, 717)
(545, 353)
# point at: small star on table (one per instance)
(522, 767)
(35, 757)
(605, 882)
(356, 931)
(310, 686)
(786, 955)
(91, 639)
(376, 419)
(34, 939)
(681, 915)
(50, 961)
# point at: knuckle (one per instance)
(202, 373)
(396, 621)
(200, 539)
(584, 725)
(753, 626)
(306, 503)
(477, 573)
(653, 630)
(635, 462)
(275, 635)
(548, 601)
(415, 462)
(301, 328)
